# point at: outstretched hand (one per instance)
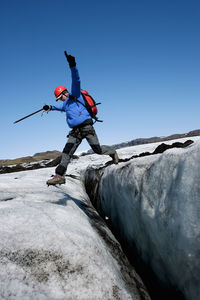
(70, 59)
(47, 107)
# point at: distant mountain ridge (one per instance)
(29, 159)
(155, 139)
(141, 141)
(52, 155)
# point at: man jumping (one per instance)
(79, 119)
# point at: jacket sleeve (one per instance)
(59, 107)
(76, 83)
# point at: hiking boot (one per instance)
(57, 179)
(115, 158)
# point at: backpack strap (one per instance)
(88, 106)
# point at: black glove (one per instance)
(70, 59)
(47, 107)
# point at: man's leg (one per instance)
(92, 139)
(69, 149)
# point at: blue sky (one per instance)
(139, 58)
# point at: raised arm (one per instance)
(76, 83)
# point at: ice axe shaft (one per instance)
(28, 115)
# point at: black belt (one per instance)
(86, 122)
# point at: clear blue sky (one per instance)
(141, 59)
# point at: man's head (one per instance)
(61, 93)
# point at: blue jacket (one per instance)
(76, 113)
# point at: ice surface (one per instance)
(154, 202)
(53, 245)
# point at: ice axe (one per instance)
(28, 116)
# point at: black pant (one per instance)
(75, 137)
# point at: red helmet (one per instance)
(58, 90)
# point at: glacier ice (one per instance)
(53, 244)
(153, 203)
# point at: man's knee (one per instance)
(97, 149)
(68, 148)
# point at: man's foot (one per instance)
(57, 179)
(115, 158)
